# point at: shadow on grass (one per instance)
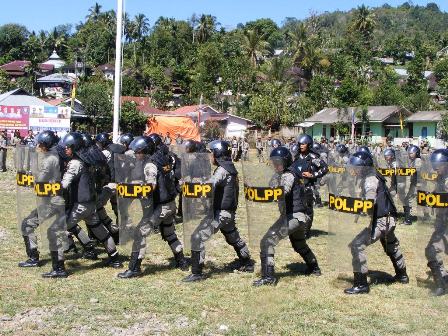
(316, 233)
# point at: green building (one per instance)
(424, 125)
(382, 121)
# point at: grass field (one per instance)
(92, 301)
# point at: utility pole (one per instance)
(117, 78)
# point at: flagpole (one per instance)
(117, 78)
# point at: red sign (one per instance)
(15, 118)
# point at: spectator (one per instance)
(168, 139)
(3, 151)
(29, 139)
(179, 139)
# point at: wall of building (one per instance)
(430, 127)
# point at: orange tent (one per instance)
(174, 125)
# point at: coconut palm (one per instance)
(206, 28)
(94, 12)
(255, 45)
(364, 21)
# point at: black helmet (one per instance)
(191, 146)
(305, 139)
(364, 149)
(413, 149)
(125, 139)
(220, 148)
(361, 159)
(276, 143)
(156, 139)
(389, 152)
(295, 150)
(47, 139)
(142, 145)
(439, 157)
(87, 138)
(317, 147)
(341, 149)
(103, 139)
(73, 140)
(283, 154)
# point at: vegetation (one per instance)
(276, 74)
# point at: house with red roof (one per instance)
(17, 69)
(143, 104)
(231, 124)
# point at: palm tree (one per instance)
(255, 45)
(207, 26)
(364, 22)
(94, 12)
(140, 27)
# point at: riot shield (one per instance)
(47, 174)
(177, 149)
(197, 197)
(134, 200)
(432, 210)
(26, 199)
(349, 214)
(265, 204)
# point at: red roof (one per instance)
(143, 105)
(140, 101)
(188, 109)
(18, 67)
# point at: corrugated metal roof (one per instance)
(376, 114)
(20, 97)
(426, 116)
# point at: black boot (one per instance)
(196, 268)
(313, 269)
(360, 285)
(181, 261)
(267, 274)
(71, 245)
(33, 255)
(134, 269)
(407, 215)
(401, 275)
(440, 288)
(114, 260)
(58, 268)
(318, 202)
(116, 237)
(244, 262)
(90, 252)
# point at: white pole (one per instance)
(117, 78)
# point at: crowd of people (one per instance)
(92, 172)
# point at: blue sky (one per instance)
(45, 14)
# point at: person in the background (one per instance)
(3, 151)
(29, 139)
(235, 147)
(179, 139)
(16, 138)
(245, 149)
(168, 139)
(259, 145)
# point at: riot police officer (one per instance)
(373, 186)
(163, 218)
(225, 203)
(142, 171)
(437, 245)
(78, 182)
(105, 186)
(315, 167)
(409, 194)
(46, 141)
(297, 215)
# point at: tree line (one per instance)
(272, 74)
